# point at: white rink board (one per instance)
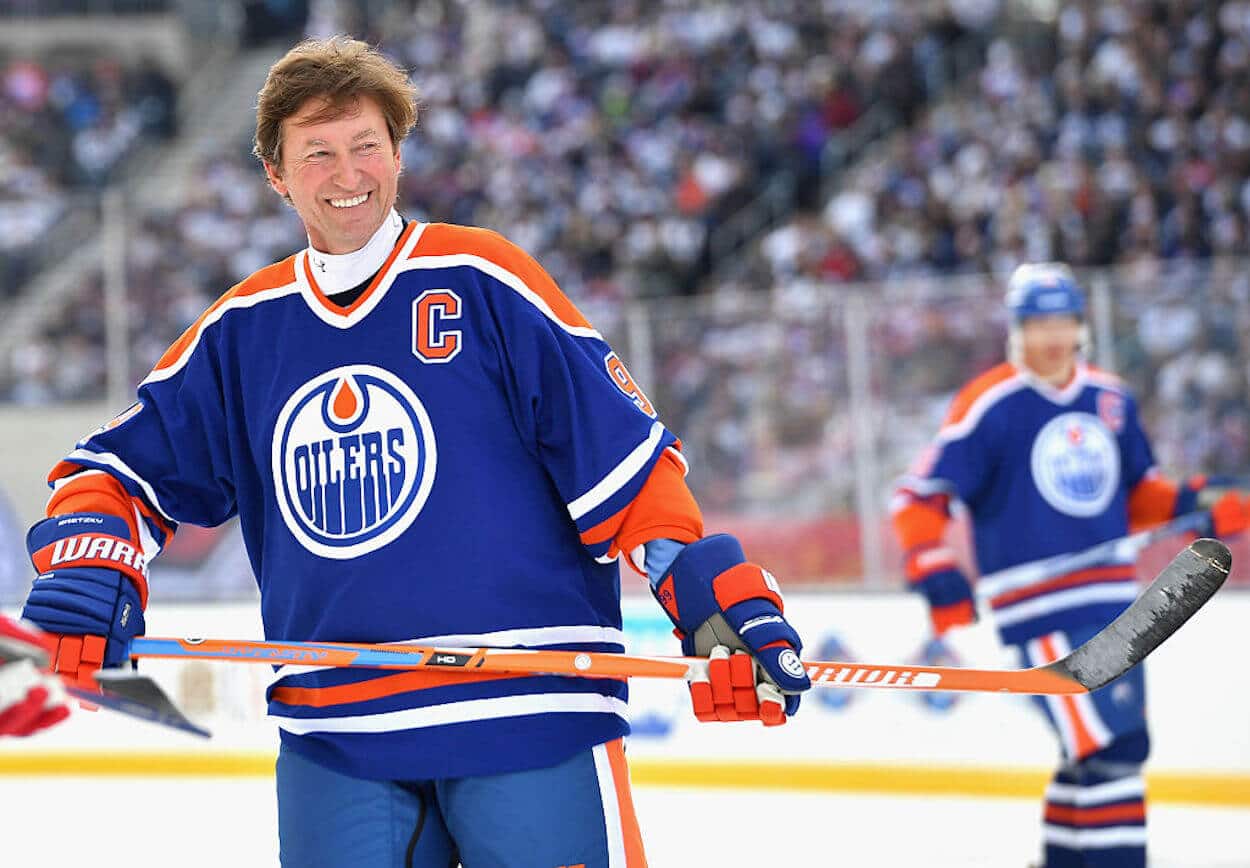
(1199, 704)
(1198, 699)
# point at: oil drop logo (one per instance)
(353, 461)
(1076, 464)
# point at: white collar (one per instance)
(339, 272)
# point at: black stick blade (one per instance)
(1181, 589)
(138, 696)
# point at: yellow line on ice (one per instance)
(1227, 790)
(143, 764)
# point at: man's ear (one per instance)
(275, 178)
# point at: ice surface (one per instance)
(231, 821)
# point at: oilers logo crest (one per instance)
(353, 460)
(1076, 464)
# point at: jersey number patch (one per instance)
(432, 342)
(625, 382)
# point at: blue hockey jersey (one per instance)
(1042, 471)
(429, 464)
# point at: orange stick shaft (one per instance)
(594, 664)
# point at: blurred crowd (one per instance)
(613, 139)
(49, 8)
(607, 139)
(1183, 347)
(1118, 134)
(68, 118)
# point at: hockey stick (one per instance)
(1120, 550)
(137, 695)
(121, 690)
(1181, 589)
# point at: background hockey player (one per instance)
(1049, 457)
(424, 439)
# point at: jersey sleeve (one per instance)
(664, 509)
(1138, 460)
(956, 466)
(579, 410)
(1152, 498)
(168, 452)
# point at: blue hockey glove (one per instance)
(87, 591)
(721, 604)
(932, 571)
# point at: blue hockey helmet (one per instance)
(1044, 289)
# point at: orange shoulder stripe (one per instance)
(446, 239)
(969, 394)
(269, 277)
(1104, 376)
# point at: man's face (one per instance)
(1050, 343)
(341, 174)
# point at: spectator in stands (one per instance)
(68, 119)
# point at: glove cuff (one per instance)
(747, 582)
(92, 540)
(946, 588)
(1187, 495)
(687, 591)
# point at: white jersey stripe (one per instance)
(504, 276)
(1106, 592)
(1094, 839)
(611, 807)
(685, 465)
(619, 476)
(1098, 794)
(65, 480)
(467, 711)
(530, 637)
(148, 543)
(108, 459)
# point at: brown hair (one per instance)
(337, 70)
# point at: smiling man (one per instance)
(335, 163)
(423, 439)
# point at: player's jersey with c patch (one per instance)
(424, 464)
(1043, 472)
